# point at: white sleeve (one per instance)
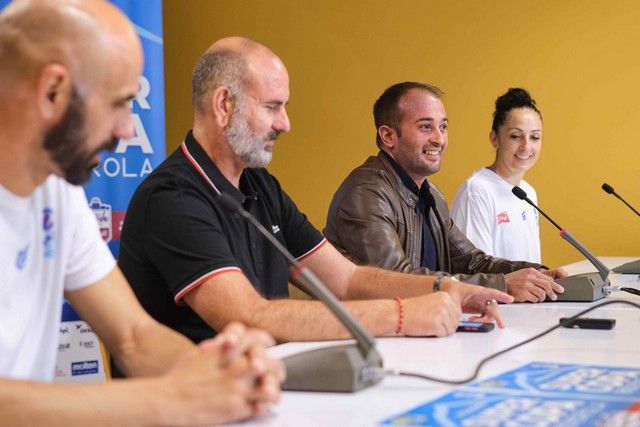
(89, 256)
(472, 213)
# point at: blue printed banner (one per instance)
(120, 172)
(538, 394)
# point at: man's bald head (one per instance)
(80, 35)
(229, 62)
(68, 70)
(242, 45)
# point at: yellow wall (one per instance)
(579, 58)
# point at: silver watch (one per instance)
(439, 278)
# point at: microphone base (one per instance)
(332, 369)
(585, 287)
(632, 267)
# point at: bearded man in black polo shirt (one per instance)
(195, 267)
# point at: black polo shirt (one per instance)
(176, 235)
(428, 254)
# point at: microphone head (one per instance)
(231, 204)
(519, 193)
(606, 187)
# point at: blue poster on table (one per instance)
(538, 394)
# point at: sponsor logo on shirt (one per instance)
(21, 257)
(84, 367)
(503, 217)
(49, 228)
(275, 229)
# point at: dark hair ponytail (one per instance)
(514, 98)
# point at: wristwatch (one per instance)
(440, 276)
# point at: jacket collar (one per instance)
(404, 184)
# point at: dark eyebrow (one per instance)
(431, 119)
(518, 129)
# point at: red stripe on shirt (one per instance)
(200, 280)
(313, 250)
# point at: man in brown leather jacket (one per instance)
(386, 213)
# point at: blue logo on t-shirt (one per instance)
(48, 227)
(21, 257)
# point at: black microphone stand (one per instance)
(609, 189)
(632, 267)
(580, 287)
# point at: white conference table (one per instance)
(456, 356)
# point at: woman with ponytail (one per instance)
(484, 207)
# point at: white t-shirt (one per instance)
(495, 220)
(49, 243)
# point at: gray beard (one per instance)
(246, 145)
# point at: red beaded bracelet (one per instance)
(400, 315)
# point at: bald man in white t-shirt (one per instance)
(68, 72)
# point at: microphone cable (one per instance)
(633, 291)
(474, 375)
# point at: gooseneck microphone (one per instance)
(344, 368)
(609, 189)
(579, 287)
(522, 195)
(632, 267)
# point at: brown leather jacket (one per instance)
(373, 221)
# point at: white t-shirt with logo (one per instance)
(495, 220)
(49, 243)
